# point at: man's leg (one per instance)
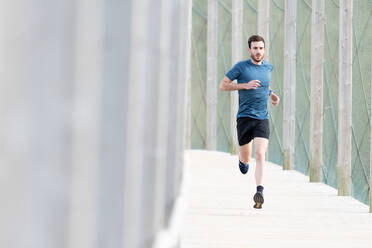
(245, 153)
(245, 157)
(260, 147)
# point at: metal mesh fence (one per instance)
(330, 93)
(275, 150)
(249, 23)
(362, 50)
(198, 74)
(303, 65)
(224, 37)
(360, 138)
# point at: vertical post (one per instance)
(17, 118)
(121, 112)
(316, 94)
(370, 163)
(237, 54)
(184, 50)
(345, 98)
(174, 133)
(136, 119)
(162, 97)
(36, 103)
(264, 24)
(188, 76)
(180, 40)
(85, 163)
(184, 10)
(212, 75)
(289, 85)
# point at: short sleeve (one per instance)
(234, 73)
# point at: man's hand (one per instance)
(275, 99)
(252, 85)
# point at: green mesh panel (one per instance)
(330, 93)
(224, 140)
(275, 150)
(249, 24)
(303, 71)
(198, 74)
(360, 140)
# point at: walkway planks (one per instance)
(296, 213)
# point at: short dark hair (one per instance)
(255, 38)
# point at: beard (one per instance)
(256, 58)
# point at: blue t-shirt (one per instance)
(253, 102)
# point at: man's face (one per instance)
(257, 51)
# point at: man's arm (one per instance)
(228, 85)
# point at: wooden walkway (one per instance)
(296, 213)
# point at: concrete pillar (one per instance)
(84, 134)
(13, 128)
(237, 55)
(137, 89)
(36, 93)
(173, 125)
(316, 93)
(289, 97)
(86, 115)
(370, 164)
(264, 24)
(156, 112)
(212, 75)
(182, 11)
(345, 98)
(188, 75)
(162, 124)
(180, 93)
(184, 66)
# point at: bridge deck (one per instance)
(296, 213)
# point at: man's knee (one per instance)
(259, 155)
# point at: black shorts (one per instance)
(249, 128)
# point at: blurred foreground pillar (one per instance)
(36, 85)
(88, 87)
(92, 131)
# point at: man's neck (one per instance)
(256, 63)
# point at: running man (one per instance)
(253, 84)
